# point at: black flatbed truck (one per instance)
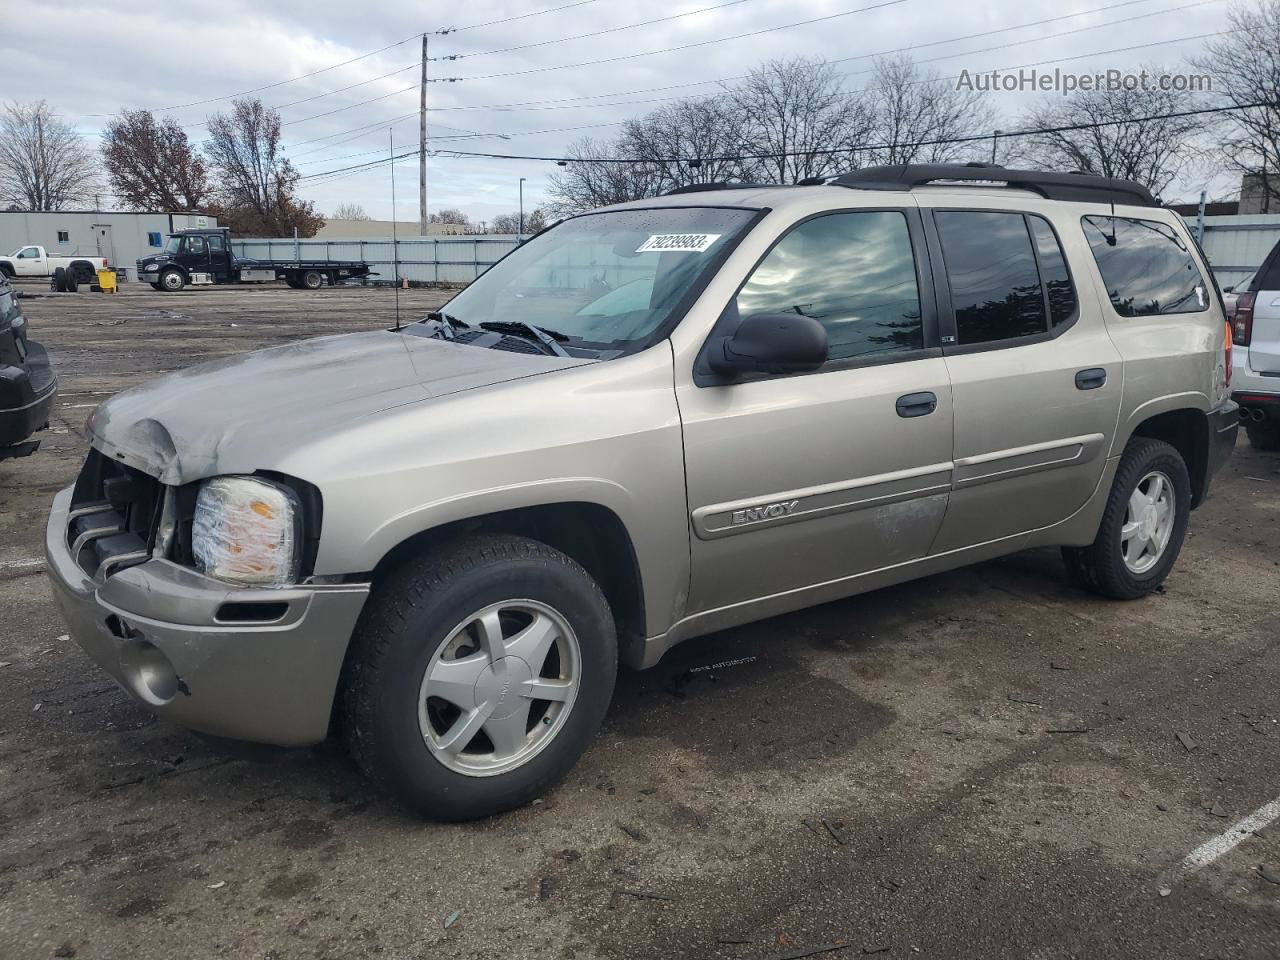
(204, 258)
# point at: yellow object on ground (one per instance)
(107, 281)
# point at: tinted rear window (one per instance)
(1148, 269)
(991, 267)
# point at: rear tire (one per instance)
(426, 623)
(312, 280)
(1142, 528)
(1264, 434)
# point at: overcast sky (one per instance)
(89, 61)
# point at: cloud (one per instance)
(155, 55)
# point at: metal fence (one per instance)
(1235, 245)
(452, 260)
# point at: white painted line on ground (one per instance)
(21, 564)
(1226, 841)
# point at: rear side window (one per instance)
(855, 273)
(1053, 272)
(1146, 267)
(991, 270)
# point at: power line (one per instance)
(543, 104)
(973, 138)
(601, 33)
(686, 46)
(853, 93)
(281, 83)
(522, 16)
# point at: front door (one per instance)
(795, 481)
(1035, 377)
(195, 254)
(30, 262)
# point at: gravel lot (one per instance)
(987, 763)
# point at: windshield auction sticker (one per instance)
(678, 243)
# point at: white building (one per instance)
(123, 237)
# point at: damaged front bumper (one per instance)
(254, 664)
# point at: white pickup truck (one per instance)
(34, 261)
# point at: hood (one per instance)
(246, 413)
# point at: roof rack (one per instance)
(1081, 187)
(716, 185)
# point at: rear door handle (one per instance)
(1091, 379)
(917, 404)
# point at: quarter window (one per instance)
(855, 273)
(991, 269)
(1053, 272)
(1146, 267)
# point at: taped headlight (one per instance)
(247, 530)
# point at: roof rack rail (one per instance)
(715, 185)
(1081, 187)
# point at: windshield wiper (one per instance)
(445, 324)
(548, 338)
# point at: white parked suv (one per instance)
(1255, 375)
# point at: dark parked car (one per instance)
(27, 384)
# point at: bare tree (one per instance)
(914, 109)
(589, 180)
(151, 165)
(1245, 66)
(796, 113)
(687, 142)
(256, 182)
(44, 163)
(505, 223)
(1107, 132)
(350, 211)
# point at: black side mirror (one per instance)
(1228, 289)
(771, 343)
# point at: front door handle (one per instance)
(917, 404)
(1091, 379)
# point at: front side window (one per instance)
(1146, 267)
(195, 245)
(991, 268)
(601, 282)
(855, 273)
(28, 253)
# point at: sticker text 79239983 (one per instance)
(678, 243)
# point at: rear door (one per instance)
(1264, 346)
(800, 480)
(1035, 378)
(219, 258)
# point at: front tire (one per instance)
(1263, 434)
(478, 676)
(1143, 525)
(171, 281)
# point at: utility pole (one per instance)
(422, 143)
(520, 235)
(994, 140)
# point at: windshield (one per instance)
(173, 245)
(603, 281)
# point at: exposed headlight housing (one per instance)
(248, 531)
(150, 267)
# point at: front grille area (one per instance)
(115, 516)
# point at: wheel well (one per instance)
(590, 534)
(1187, 430)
